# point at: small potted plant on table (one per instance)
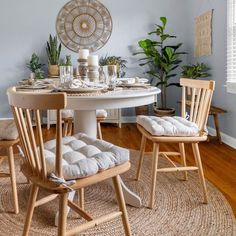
(114, 60)
(35, 67)
(53, 52)
(163, 59)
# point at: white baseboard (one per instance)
(225, 137)
(128, 119)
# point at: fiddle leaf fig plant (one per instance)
(200, 70)
(162, 58)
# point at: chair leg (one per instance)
(65, 128)
(141, 156)
(154, 173)
(99, 130)
(200, 170)
(122, 206)
(183, 159)
(13, 178)
(30, 209)
(81, 198)
(70, 127)
(62, 215)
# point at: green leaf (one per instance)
(174, 84)
(163, 20)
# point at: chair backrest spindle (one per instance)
(22, 104)
(198, 100)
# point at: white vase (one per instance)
(32, 75)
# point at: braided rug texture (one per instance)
(178, 208)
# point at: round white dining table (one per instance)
(85, 116)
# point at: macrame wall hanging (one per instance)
(84, 24)
(203, 34)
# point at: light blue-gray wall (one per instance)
(26, 24)
(217, 61)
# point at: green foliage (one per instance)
(53, 50)
(113, 60)
(39, 74)
(161, 58)
(200, 70)
(66, 61)
(34, 64)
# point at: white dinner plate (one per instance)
(32, 87)
(132, 80)
(82, 90)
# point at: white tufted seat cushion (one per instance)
(101, 113)
(67, 113)
(168, 126)
(8, 130)
(83, 156)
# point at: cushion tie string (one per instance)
(61, 181)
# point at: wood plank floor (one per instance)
(219, 160)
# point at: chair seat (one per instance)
(101, 113)
(66, 113)
(8, 130)
(168, 126)
(83, 156)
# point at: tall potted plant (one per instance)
(53, 52)
(163, 59)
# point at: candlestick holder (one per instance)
(93, 73)
(83, 69)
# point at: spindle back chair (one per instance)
(35, 169)
(200, 93)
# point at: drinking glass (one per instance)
(66, 76)
(111, 76)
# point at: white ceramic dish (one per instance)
(32, 87)
(82, 90)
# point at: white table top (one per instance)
(117, 99)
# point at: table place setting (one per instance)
(133, 83)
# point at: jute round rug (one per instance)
(178, 209)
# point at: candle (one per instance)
(93, 60)
(83, 53)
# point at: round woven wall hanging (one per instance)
(84, 24)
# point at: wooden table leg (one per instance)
(216, 121)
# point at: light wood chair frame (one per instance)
(201, 96)
(8, 146)
(68, 126)
(35, 169)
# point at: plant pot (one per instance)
(32, 76)
(141, 110)
(164, 111)
(53, 70)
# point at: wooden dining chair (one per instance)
(8, 139)
(178, 130)
(43, 162)
(68, 117)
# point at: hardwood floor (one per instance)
(219, 160)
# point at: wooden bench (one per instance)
(215, 111)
